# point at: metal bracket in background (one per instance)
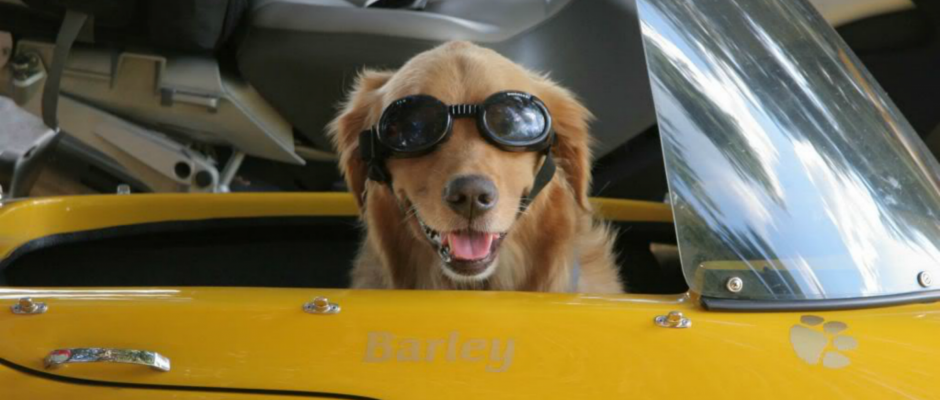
(28, 75)
(169, 96)
(170, 158)
(24, 143)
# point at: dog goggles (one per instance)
(414, 126)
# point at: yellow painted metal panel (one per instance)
(631, 210)
(432, 345)
(15, 385)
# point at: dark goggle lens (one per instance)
(413, 123)
(515, 118)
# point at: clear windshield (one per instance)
(792, 174)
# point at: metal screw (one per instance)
(735, 284)
(674, 319)
(26, 305)
(123, 189)
(321, 305)
(924, 279)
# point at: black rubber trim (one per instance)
(716, 304)
(89, 382)
(155, 227)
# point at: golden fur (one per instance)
(537, 253)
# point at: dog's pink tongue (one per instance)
(470, 245)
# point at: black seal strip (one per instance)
(89, 382)
(717, 304)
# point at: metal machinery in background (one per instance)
(167, 107)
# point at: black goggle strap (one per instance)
(375, 162)
(542, 178)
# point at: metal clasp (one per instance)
(60, 357)
(26, 306)
(321, 305)
(673, 320)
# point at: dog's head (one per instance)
(465, 197)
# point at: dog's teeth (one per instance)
(434, 236)
(444, 252)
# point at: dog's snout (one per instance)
(471, 195)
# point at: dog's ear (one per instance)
(572, 149)
(356, 114)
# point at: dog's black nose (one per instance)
(471, 195)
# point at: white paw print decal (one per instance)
(811, 344)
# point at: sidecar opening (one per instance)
(305, 251)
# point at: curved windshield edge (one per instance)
(792, 175)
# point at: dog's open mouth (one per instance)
(467, 252)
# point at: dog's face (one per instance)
(464, 198)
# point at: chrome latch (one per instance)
(321, 305)
(26, 306)
(60, 357)
(673, 320)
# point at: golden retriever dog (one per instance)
(456, 218)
